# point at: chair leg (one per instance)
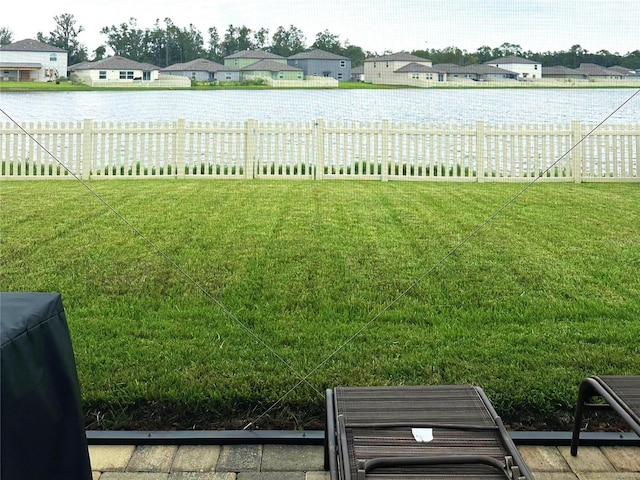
(584, 393)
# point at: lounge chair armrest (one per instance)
(380, 462)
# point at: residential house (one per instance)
(203, 70)
(32, 61)
(591, 71)
(626, 72)
(118, 71)
(271, 69)
(475, 72)
(319, 63)
(357, 74)
(242, 59)
(381, 70)
(562, 73)
(525, 68)
(417, 73)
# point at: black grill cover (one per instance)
(41, 417)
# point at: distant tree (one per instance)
(631, 60)
(484, 54)
(236, 39)
(355, 53)
(65, 36)
(127, 40)
(213, 50)
(6, 36)
(287, 42)
(99, 53)
(328, 42)
(261, 39)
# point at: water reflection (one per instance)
(555, 106)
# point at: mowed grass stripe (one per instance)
(546, 294)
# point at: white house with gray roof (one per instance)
(319, 63)
(382, 70)
(525, 68)
(475, 72)
(32, 61)
(118, 71)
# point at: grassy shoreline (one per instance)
(546, 294)
(66, 86)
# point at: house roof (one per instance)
(559, 70)
(317, 54)
(417, 68)
(398, 57)
(30, 45)
(78, 66)
(197, 65)
(594, 70)
(269, 66)
(622, 70)
(511, 59)
(475, 69)
(114, 63)
(255, 55)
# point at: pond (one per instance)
(463, 106)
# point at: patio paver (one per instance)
(113, 458)
(589, 459)
(196, 458)
(299, 458)
(152, 458)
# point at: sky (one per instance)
(378, 26)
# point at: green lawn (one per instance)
(317, 278)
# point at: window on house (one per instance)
(387, 65)
(535, 67)
(102, 75)
(227, 76)
(126, 74)
(339, 75)
(343, 63)
(53, 57)
(193, 75)
(281, 76)
(415, 75)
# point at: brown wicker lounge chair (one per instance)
(618, 393)
(434, 432)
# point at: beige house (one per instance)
(382, 70)
(32, 61)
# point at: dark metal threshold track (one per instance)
(316, 437)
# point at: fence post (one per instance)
(178, 153)
(385, 151)
(576, 153)
(87, 148)
(318, 140)
(480, 150)
(249, 148)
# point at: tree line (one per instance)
(166, 44)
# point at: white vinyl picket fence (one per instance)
(319, 150)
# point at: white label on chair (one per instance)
(422, 434)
